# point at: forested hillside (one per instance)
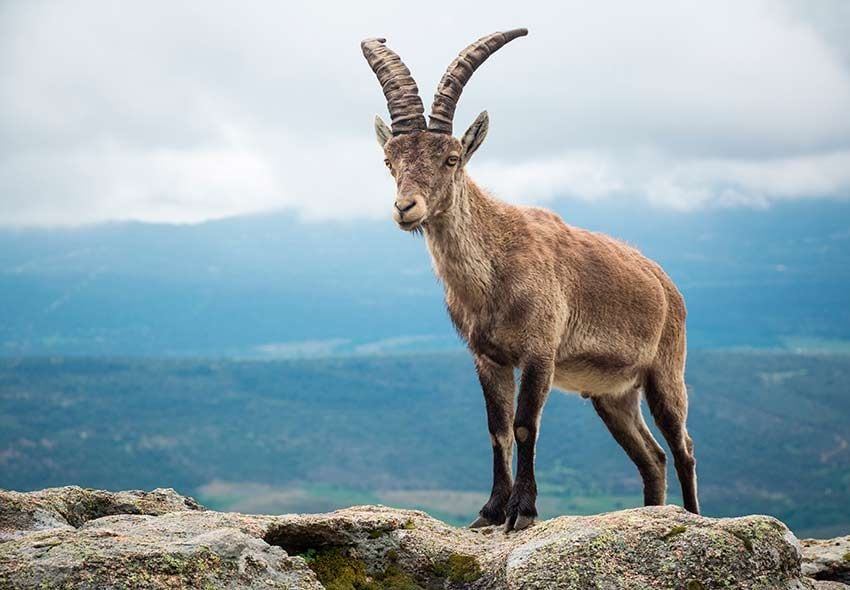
(771, 433)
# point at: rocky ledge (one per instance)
(73, 538)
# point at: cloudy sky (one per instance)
(181, 112)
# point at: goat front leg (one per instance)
(499, 388)
(534, 389)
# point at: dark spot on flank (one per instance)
(519, 311)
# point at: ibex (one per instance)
(568, 307)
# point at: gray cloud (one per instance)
(175, 111)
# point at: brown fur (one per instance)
(570, 308)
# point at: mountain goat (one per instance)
(570, 308)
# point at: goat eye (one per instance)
(451, 161)
(388, 163)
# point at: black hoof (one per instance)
(522, 509)
(479, 523)
(494, 510)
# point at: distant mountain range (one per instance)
(274, 286)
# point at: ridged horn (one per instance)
(405, 106)
(458, 74)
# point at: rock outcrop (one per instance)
(827, 559)
(71, 507)
(86, 539)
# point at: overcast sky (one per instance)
(172, 111)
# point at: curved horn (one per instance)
(405, 106)
(458, 74)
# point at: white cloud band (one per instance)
(163, 111)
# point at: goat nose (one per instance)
(404, 205)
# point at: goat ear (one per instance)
(382, 131)
(474, 136)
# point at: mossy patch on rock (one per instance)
(338, 569)
(676, 530)
(748, 544)
(458, 568)
(395, 578)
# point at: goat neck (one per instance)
(465, 244)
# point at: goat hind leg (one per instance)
(667, 397)
(624, 420)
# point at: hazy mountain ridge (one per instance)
(271, 285)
